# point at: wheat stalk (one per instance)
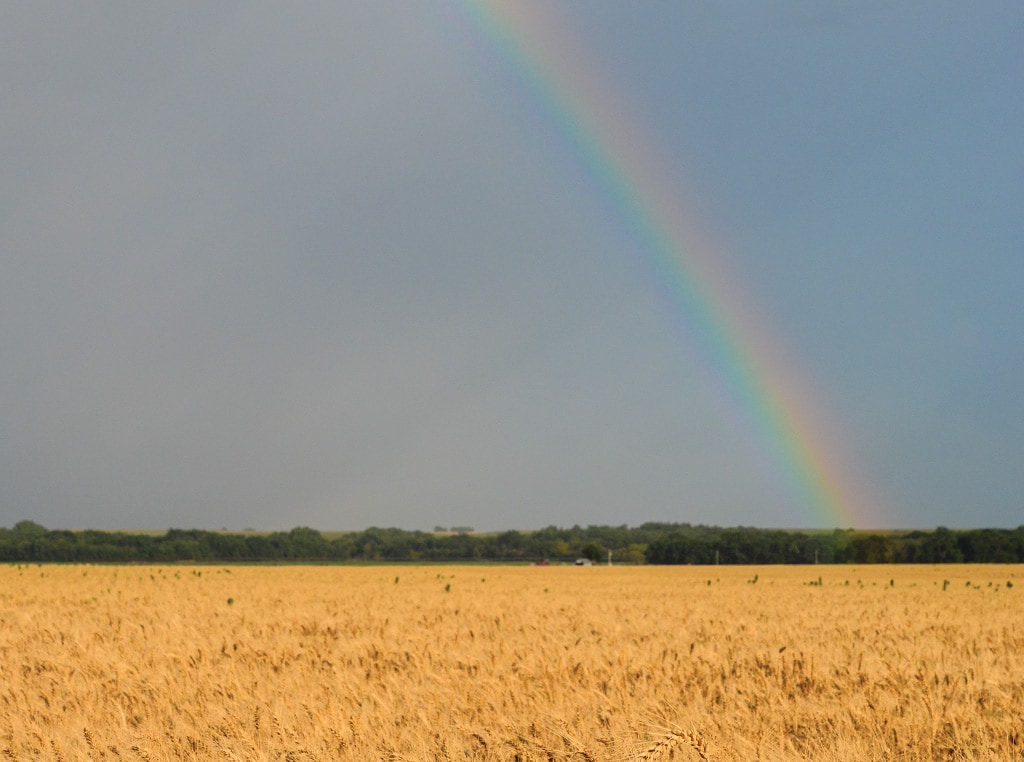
(672, 740)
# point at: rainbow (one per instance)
(749, 362)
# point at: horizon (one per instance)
(475, 531)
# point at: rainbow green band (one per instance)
(720, 321)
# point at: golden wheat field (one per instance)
(511, 663)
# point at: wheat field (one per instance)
(511, 663)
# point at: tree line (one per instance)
(741, 545)
(652, 543)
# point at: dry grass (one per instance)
(502, 663)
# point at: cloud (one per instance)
(317, 264)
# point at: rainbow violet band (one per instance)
(720, 322)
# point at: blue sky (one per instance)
(338, 265)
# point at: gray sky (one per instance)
(340, 265)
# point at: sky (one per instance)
(368, 263)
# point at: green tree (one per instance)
(595, 551)
(874, 549)
(29, 530)
(940, 547)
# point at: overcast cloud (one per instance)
(336, 265)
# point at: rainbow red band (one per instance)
(748, 361)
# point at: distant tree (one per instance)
(595, 551)
(28, 530)
(940, 547)
(229, 547)
(307, 544)
(633, 554)
(874, 549)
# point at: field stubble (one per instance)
(510, 663)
